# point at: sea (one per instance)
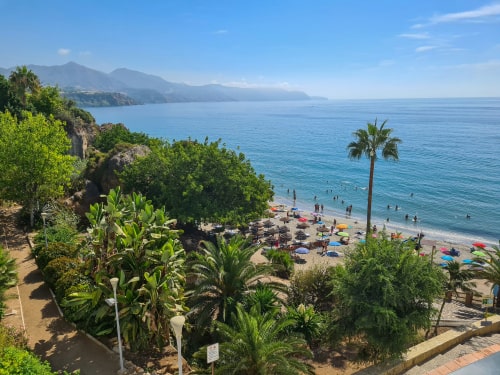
(448, 173)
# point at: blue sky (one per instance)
(338, 49)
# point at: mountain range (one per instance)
(89, 87)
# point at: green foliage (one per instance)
(34, 159)
(22, 362)
(282, 262)
(8, 276)
(265, 297)
(56, 268)
(223, 274)
(128, 238)
(312, 286)
(386, 294)
(367, 142)
(10, 336)
(53, 251)
(66, 283)
(109, 137)
(259, 343)
(200, 182)
(306, 322)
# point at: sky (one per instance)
(349, 49)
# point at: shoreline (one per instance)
(411, 229)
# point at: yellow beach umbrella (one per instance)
(342, 226)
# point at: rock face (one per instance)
(117, 163)
(81, 135)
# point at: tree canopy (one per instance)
(35, 166)
(200, 182)
(385, 296)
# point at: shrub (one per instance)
(57, 268)
(10, 336)
(282, 262)
(18, 361)
(53, 251)
(71, 281)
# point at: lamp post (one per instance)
(114, 301)
(177, 323)
(44, 217)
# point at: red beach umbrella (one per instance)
(303, 219)
(479, 244)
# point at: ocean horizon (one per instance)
(448, 173)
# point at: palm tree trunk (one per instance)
(370, 193)
(439, 316)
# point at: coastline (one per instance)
(315, 257)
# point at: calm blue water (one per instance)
(449, 158)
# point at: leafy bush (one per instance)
(18, 361)
(282, 262)
(8, 276)
(118, 133)
(58, 267)
(66, 283)
(10, 336)
(53, 251)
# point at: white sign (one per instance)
(487, 301)
(212, 353)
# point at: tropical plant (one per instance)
(131, 240)
(259, 343)
(384, 296)
(367, 142)
(282, 262)
(307, 322)
(223, 274)
(457, 278)
(265, 297)
(491, 272)
(24, 82)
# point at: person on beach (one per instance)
(374, 229)
(406, 217)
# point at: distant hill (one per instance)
(89, 87)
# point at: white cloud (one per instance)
(486, 65)
(85, 53)
(424, 48)
(218, 32)
(63, 51)
(481, 13)
(415, 36)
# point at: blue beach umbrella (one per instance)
(447, 257)
(302, 250)
(334, 243)
(467, 261)
(332, 253)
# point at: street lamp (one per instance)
(111, 302)
(177, 322)
(44, 217)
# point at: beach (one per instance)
(355, 229)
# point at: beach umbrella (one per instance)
(285, 237)
(284, 229)
(268, 223)
(447, 258)
(302, 250)
(271, 231)
(334, 243)
(323, 229)
(479, 253)
(479, 244)
(319, 222)
(444, 249)
(331, 253)
(342, 226)
(303, 219)
(467, 261)
(285, 219)
(343, 234)
(303, 225)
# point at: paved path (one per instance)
(30, 306)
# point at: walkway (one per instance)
(30, 307)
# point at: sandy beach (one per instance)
(355, 229)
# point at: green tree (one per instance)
(384, 296)
(200, 182)
(457, 278)
(367, 142)
(35, 166)
(110, 136)
(258, 343)
(491, 272)
(306, 322)
(24, 82)
(223, 274)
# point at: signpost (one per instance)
(486, 301)
(213, 355)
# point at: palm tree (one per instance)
(457, 279)
(491, 272)
(367, 142)
(223, 274)
(24, 81)
(260, 344)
